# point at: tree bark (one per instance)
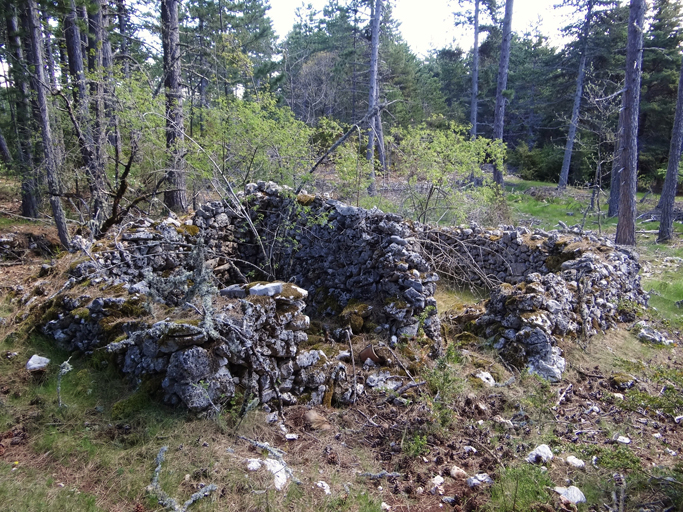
(564, 173)
(671, 180)
(176, 197)
(23, 129)
(4, 150)
(475, 73)
(499, 113)
(617, 166)
(87, 144)
(40, 87)
(372, 99)
(122, 15)
(626, 226)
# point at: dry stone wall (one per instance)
(376, 270)
(339, 253)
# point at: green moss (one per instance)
(51, 312)
(290, 290)
(465, 339)
(356, 323)
(133, 308)
(554, 261)
(305, 199)
(81, 313)
(112, 328)
(355, 307)
(130, 406)
(184, 229)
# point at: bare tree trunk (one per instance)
(122, 15)
(87, 145)
(176, 198)
(4, 150)
(626, 226)
(475, 73)
(499, 113)
(372, 99)
(564, 173)
(617, 166)
(29, 185)
(671, 180)
(40, 87)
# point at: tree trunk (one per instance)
(626, 226)
(475, 73)
(671, 180)
(372, 99)
(122, 15)
(4, 150)
(499, 113)
(87, 144)
(564, 173)
(176, 198)
(617, 166)
(40, 87)
(23, 129)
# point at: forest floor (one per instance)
(82, 457)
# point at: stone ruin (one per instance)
(317, 256)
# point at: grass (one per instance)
(520, 488)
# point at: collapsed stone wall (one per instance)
(252, 342)
(374, 268)
(339, 253)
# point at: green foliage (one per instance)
(519, 488)
(416, 446)
(543, 164)
(616, 457)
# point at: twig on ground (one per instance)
(381, 474)
(164, 499)
(398, 361)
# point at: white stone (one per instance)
(267, 289)
(575, 462)
(470, 449)
(253, 464)
(458, 473)
(324, 486)
(291, 437)
(542, 453)
(623, 440)
(37, 363)
(437, 480)
(384, 506)
(572, 494)
(486, 378)
(479, 479)
(278, 469)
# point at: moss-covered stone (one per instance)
(130, 406)
(356, 323)
(305, 199)
(190, 230)
(81, 314)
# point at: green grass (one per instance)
(519, 488)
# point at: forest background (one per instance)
(113, 108)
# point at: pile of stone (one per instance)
(251, 341)
(144, 246)
(583, 298)
(339, 253)
(485, 257)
